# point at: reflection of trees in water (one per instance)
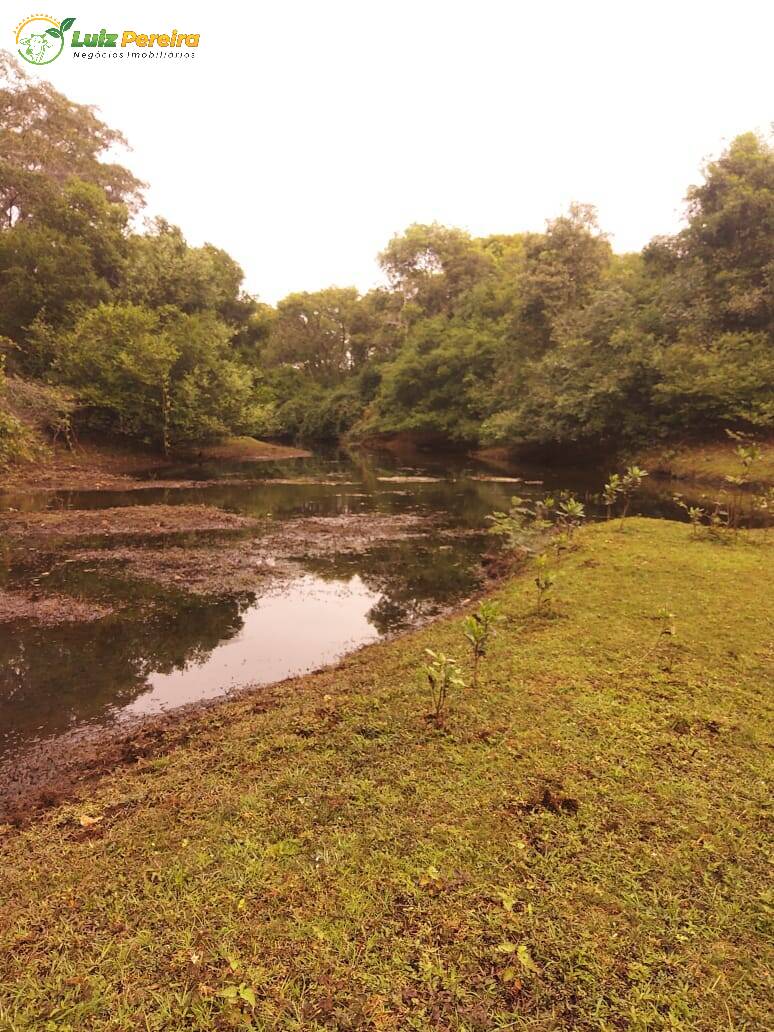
(413, 578)
(54, 677)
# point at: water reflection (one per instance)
(164, 647)
(291, 630)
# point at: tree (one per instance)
(562, 269)
(313, 331)
(162, 269)
(69, 258)
(730, 235)
(161, 376)
(47, 139)
(120, 363)
(433, 265)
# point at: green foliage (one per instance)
(17, 443)
(569, 514)
(479, 629)
(523, 526)
(695, 513)
(160, 376)
(442, 676)
(737, 503)
(621, 487)
(527, 527)
(545, 578)
(535, 338)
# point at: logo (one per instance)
(40, 38)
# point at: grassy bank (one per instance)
(581, 846)
(710, 462)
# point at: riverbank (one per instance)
(580, 845)
(101, 467)
(708, 462)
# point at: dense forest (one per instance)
(113, 325)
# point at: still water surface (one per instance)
(165, 647)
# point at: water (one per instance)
(166, 647)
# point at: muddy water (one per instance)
(164, 646)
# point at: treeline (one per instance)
(541, 338)
(549, 338)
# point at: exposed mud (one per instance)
(138, 521)
(209, 568)
(497, 480)
(49, 610)
(57, 769)
(314, 536)
(249, 564)
(409, 480)
(247, 449)
(98, 468)
(87, 468)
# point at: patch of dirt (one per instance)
(319, 481)
(248, 449)
(49, 610)
(226, 567)
(135, 520)
(86, 468)
(213, 567)
(57, 768)
(90, 467)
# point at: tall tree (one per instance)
(313, 331)
(46, 139)
(730, 235)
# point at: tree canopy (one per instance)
(538, 338)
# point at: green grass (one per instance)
(350, 865)
(710, 462)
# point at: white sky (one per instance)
(305, 134)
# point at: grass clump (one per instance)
(582, 847)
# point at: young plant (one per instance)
(631, 481)
(544, 582)
(748, 453)
(569, 514)
(522, 525)
(479, 629)
(694, 513)
(718, 522)
(666, 645)
(762, 507)
(442, 673)
(610, 492)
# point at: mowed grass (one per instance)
(710, 462)
(333, 860)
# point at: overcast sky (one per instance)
(305, 134)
